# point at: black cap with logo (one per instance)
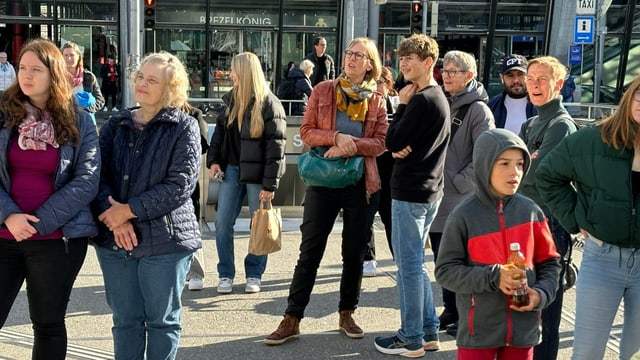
(514, 62)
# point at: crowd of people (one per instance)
(445, 166)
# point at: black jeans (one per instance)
(50, 268)
(548, 348)
(448, 296)
(385, 167)
(321, 207)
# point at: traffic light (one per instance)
(149, 14)
(416, 17)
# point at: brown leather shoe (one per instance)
(289, 329)
(348, 326)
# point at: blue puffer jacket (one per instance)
(76, 184)
(155, 172)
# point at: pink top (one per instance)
(32, 178)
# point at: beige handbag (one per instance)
(266, 230)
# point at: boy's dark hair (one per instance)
(421, 45)
(317, 39)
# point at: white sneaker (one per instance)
(225, 286)
(114, 109)
(105, 109)
(253, 285)
(196, 283)
(369, 268)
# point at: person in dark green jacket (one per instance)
(541, 133)
(591, 183)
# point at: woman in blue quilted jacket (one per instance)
(49, 170)
(151, 157)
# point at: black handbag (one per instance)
(335, 173)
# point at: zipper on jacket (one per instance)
(170, 225)
(503, 230)
(65, 240)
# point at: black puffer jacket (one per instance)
(261, 159)
(154, 172)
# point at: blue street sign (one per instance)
(575, 54)
(584, 30)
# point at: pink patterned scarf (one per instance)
(76, 79)
(35, 134)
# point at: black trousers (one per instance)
(50, 268)
(321, 208)
(383, 207)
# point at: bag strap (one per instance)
(457, 120)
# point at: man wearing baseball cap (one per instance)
(512, 108)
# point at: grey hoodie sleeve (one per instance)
(453, 270)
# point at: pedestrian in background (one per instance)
(417, 138)
(151, 159)
(474, 253)
(83, 82)
(541, 133)
(385, 163)
(110, 74)
(345, 117)
(195, 276)
(324, 68)
(468, 105)
(49, 172)
(247, 151)
(7, 72)
(591, 183)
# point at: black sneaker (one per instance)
(447, 318)
(394, 346)
(452, 329)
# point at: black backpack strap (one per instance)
(457, 120)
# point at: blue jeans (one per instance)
(411, 222)
(608, 274)
(50, 268)
(548, 348)
(144, 296)
(230, 197)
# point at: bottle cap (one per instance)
(514, 246)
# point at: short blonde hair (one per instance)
(558, 70)
(306, 64)
(177, 78)
(372, 54)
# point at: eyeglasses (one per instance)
(452, 73)
(383, 81)
(357, 55)
(636, 95)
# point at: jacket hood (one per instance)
(296, 73)
(474, 91)
(489, 145)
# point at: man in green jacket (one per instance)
(541, 133)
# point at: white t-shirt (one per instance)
(516, 113)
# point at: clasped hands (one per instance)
(116, 218)
(345, 147)
(19, 225)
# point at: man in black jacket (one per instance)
(324, 68)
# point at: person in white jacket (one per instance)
(7, 72)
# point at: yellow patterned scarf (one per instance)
(354, 99)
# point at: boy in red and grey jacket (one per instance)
(475, 248)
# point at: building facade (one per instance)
(205, 34)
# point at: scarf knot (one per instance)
(36, 134)
(354, 99)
